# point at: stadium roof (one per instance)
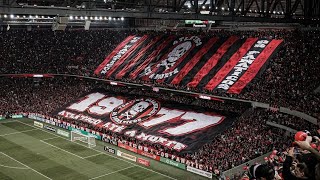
(303, 11)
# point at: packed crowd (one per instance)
(290, 78)
(248, 138)
(290, 121)
(300, 161)
(60, 94)
(46, 51)
(25, 95)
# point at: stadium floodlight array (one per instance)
(90, 140)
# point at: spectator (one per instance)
(290, 80)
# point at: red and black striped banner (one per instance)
(212, 63)
(236, 57)
(155, 53)
(254, 68)
(116, 53)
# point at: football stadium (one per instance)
(159, 90)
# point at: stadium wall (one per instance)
(240, 168)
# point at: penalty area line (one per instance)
(1, 135)
(49, 138)
(26, 166)
(93, 155)
(11, 167)
(112, 172)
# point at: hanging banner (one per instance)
(203, 62)
(176, 126)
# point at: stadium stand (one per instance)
(249, 137)
(289, 80)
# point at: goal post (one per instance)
(90, 140)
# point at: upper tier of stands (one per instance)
(289, 80)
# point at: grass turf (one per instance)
(27, 152)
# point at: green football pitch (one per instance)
(31, 153)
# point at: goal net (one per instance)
(90, 140)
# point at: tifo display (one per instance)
(226, 64)
(139, 104)
(146, 119)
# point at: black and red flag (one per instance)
(212, 63)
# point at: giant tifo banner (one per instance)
(178, 127)
(225, 64)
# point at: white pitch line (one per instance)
(112, 172)
(49, 138)
(100, 151)
(62, 149)
(11, 167)
(18, 132)
(26, 165)
(93, 155)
